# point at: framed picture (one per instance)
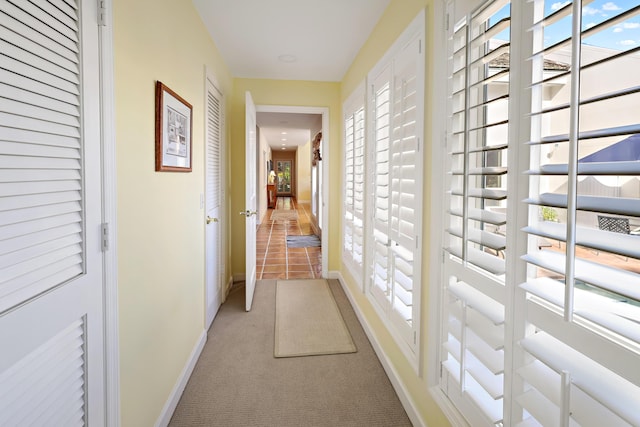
(173, 131)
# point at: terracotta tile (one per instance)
(298, 275)
(282, 275)
(274, 268)
(301, 267)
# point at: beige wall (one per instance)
(398, 15)
(160, 222)
(282, 93)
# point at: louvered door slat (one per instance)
(47, 384)
(36, 251)
(49, 47)
(13, 79)
(42, 76)
(52, 28)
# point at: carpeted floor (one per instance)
(238, 382)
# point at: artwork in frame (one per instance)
(174, 126)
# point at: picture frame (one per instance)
(174, 127)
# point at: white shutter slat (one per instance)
(541, 408)
(622, 244)
(615, 392)
(621, 282)
(593, 134)
(488, 307)
(485, 329)
(43, 230)
(494, 218)
(584, 410)
(34, 175)
(595, 168)
(613, 205)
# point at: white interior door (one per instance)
(51, 272)
(250, 199)
(213, 200)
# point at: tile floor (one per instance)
(274, 260)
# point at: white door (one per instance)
(250, 199)
(51, 316)
(213, 201)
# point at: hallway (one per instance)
(274, 260)
(237, 382)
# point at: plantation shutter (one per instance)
(473, 347)
(381, 112)
(354, 184)
(405, 164)
(41, 185)
(349, 134)
(396, 100)
(583, 288)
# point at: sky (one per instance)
(622, 36)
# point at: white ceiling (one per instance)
(287, 131)
(323, 36)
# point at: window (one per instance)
(395, 100)
(542, 300)
(354, 173)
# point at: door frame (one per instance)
(324, 112)
(109, 216)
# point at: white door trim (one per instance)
(324, 111)
(109, 216)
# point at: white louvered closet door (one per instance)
(51, 327)
(213, 201)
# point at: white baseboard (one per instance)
(227, 289)
(178, 389)
(398, 385)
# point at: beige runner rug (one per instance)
(308, 321)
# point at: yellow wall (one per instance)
(160, 222)
(397, 16)
(285, 93)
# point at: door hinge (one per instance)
(105, 236)
(102, 13)
(446, 22)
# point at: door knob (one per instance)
(210, 220)
(248, 213)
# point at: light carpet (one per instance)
(308, 321)
(306, 241)
(284, 214)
